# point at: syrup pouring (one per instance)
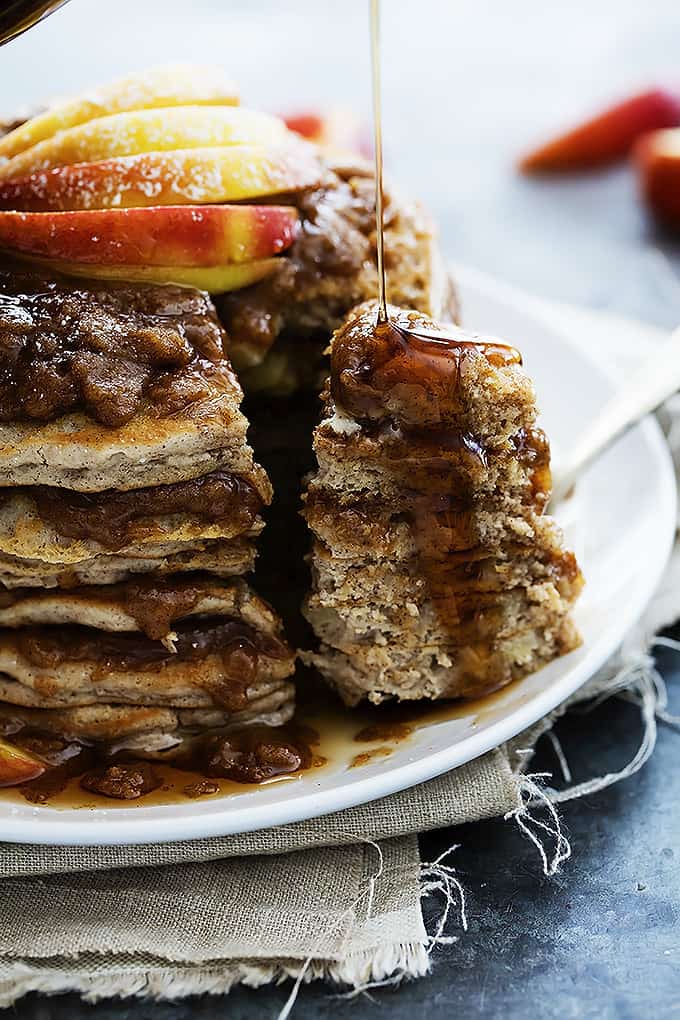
(440, 341)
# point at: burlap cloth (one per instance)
(338, 897)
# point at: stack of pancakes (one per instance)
(130, 501)
(435, 572)
(129, 505)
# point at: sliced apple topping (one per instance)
(140, 131)
(137, 183)
(209, 235)
(18, 766)
(177, 85)
(214, 279)
(185, 177)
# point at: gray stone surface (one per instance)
(468, 85)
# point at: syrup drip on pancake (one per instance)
(407, 372)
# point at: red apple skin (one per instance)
(208, 235)
(608, 137)
(182, 177)
(18, 766)
(309, 125)
(338, 130)
(657, 161)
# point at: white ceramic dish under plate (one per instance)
(626, 521)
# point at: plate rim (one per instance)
(27, 830)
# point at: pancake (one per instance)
(150, 606)
(435, 572)
(148, 732)
(223, 558)
(113, 386)
(192, 642)
(77, 453)
(169, 683)
(73, 531)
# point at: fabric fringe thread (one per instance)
(436, 879)
(176, 982)
(639, 682)
(546, 835)
(366, 971)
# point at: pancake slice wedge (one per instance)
(435, 572)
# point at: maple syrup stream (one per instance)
(377, 137)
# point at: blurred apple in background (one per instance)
(608, 137)
(657, 158)
(647, 126)
(338, 130)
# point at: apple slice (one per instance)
(309, 125)
(657, 159)
(184, 177)
(130, 134)
(18, 766)
(214, 279)
(180, 85)
(338, 130)
(185, 235)
(608, 137)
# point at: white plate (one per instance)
(627, 520)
